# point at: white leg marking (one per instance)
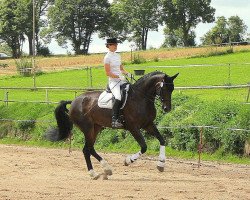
(132, 158)
(107, 168)
(94, 175)
(162, 159)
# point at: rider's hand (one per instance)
(122, 78)
(129, 75)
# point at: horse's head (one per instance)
(164, 89)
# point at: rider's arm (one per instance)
(108, 71)
(123, 70)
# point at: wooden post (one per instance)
(248, 93)
(87, 80)
(229, 74)
(91, 85)
(6, 98)
(200, 147)
(46, 96)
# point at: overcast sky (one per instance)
(225, 8)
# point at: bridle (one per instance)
(159, 89)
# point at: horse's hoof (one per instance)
(161, 169)
(108, 172)
(127, 161)
(105, 176)
(96, 176)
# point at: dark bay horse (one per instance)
(139, 113)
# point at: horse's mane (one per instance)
(143, 78)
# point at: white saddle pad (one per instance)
(105, 100)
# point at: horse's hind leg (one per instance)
(141, 141)
(107, 168)
(88, 150)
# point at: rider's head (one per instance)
(111, 44)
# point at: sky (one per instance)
(225, 8)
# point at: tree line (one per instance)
(76, 21)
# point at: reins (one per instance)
(157, 95)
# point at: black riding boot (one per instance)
(115, 114)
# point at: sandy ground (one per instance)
(40, 173)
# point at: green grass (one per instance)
(221, 74)
(238, 73)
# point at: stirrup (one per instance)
(116, 124)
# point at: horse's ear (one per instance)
(173, 77)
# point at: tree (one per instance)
(76, 21)
(184, 15)
(236, 29)
(225, 31)
(17, 21)
(11, 25)
(174, 38)
(41, 7)
(137, 18)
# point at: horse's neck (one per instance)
(147, 88)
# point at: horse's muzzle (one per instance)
(166, 108)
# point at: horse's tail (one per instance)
(64, 123)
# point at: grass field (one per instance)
(229, 69)
(58, 63)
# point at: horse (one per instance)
(139, 113)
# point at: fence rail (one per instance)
(6, 99)
(91, 88)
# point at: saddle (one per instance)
(106, 99)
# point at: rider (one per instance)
(115, 71)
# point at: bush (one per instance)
(26, 125)
(4, 65)
(138, 59)
(43, 51)
(24, 66)
(188, 111)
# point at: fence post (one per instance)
(87, 80)
(229, 74)
(91, 85)
(200, 146)
(46, 96)
(248, 94)
(6, 98)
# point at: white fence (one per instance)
(47, 90)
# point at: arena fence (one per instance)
(75, 91)
(201, 129)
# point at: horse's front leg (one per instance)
(141, 141)
(152, 130)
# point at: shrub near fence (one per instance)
(187, 115)
(190, 111)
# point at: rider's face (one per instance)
(112, 47)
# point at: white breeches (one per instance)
(114, 86)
